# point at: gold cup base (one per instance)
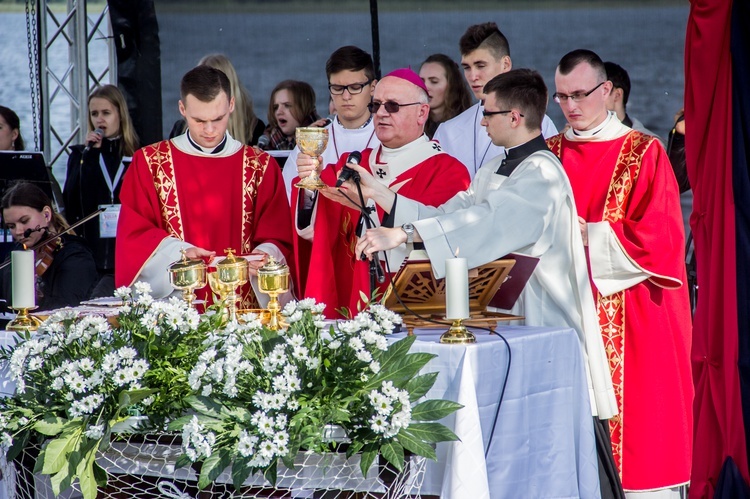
(311, 183)
(458, 334)
(24, 321)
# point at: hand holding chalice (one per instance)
(312, 141)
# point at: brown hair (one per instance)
(487, 36)
(113, 95)
(523, 89)
(31, 196)
(572, 59)
(204, 83)
(457, 96)
(11, 118)
(303, 102)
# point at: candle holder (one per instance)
(458, 334)
(24, 321)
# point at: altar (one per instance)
(541, 441)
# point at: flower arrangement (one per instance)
(242, 397)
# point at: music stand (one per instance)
(418, 289)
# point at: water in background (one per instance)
(268, 48)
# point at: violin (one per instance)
(44, 250)
(44, 255)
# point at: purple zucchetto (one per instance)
(409, 75)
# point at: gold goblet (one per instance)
(312, 141)
(187, 275)
(273, 280)
(221, 291)
(232, 273)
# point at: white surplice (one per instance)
(532, 212)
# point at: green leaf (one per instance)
(366, 460)
(271, 472)
(432, 410)
(213, 466)
(393, 452)
(401, 369)
(134, 396)
(415, 445)
(240, 471)
(50, 426)
(432, 432)
(205, 405)
(88, 480)
(19, 444)
(55, 455)
(396, 350)
(418, 386)
(60, 480)
(182, 461)
(100, 474)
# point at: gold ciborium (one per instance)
(232, 272)
(273, 280)
(187, 275)
(312, 141)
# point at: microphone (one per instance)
(28, 232)
(90, 143)
(346, 172)
(264, 141)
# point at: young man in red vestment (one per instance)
(406, 161)
(628, 203)
(201, 192)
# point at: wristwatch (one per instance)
(409, 230)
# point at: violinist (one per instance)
(65, 268)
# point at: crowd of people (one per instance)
(410, 163)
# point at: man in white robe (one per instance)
(520, 202)
(351, 82)
(485, 53)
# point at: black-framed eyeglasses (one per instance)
(575, 96)
(352, 88)
(486, 113)
(389, 105)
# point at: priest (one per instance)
(202, 192)
(628, 201)
(520, 202)
(406, 161)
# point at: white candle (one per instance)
(456, 289)
(22, 277)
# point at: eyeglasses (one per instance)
(353, 88)
(390, 106)
(575, 96)
(487, 114)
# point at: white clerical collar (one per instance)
(387, 153)
(187, 145)
(590, 133)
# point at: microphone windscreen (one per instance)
(354, 157)
(264, 141)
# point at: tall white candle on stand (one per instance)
(456, 288)
(22, 277)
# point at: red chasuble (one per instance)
(646, 328)
(335, 275)
(214, 203)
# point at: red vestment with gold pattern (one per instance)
(236, 201)
(628, 182)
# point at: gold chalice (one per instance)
(273, 280)
(312, 141)
(221, 291)
(187, 275)
(232, 273)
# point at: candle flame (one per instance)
(456, 253)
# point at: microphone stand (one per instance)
(376, 271)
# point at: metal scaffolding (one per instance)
(62, 74)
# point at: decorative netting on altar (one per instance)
(143, 466)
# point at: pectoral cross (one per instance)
(381, 173)
(436, 146)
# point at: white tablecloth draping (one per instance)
(543, 444)
(543, 441)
